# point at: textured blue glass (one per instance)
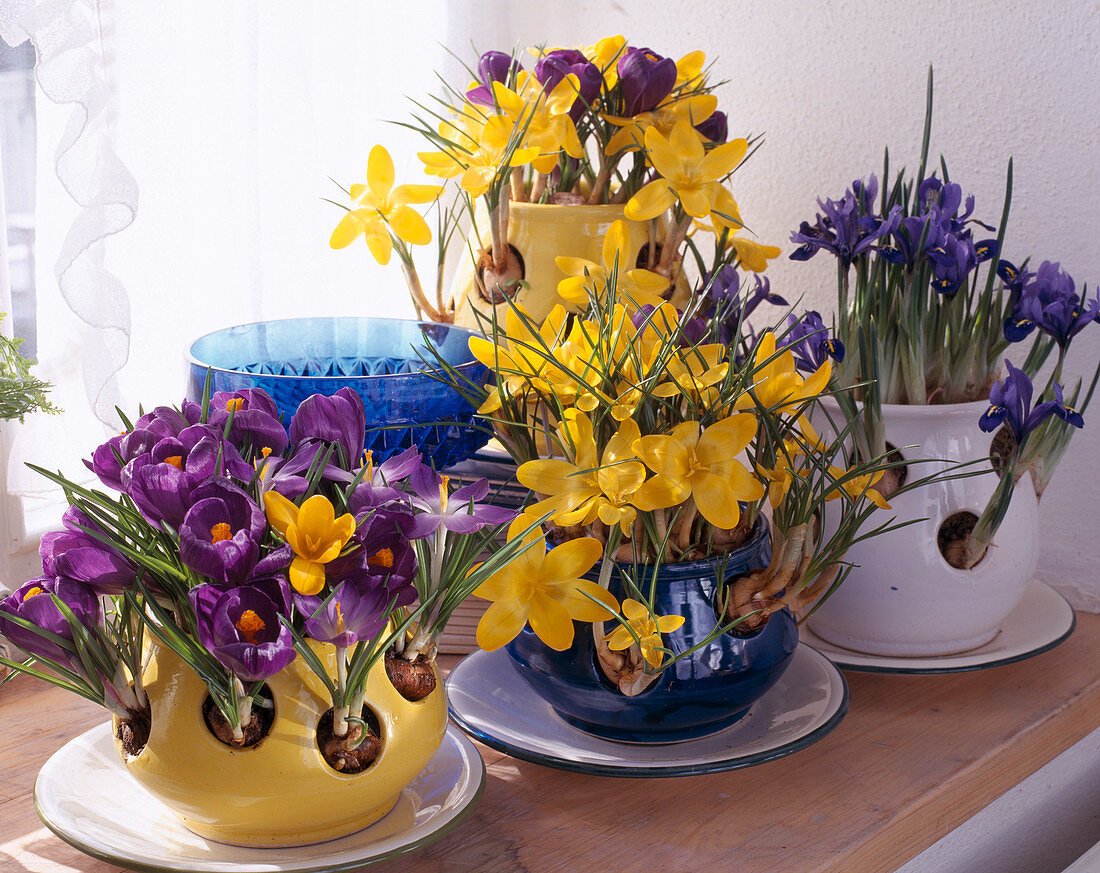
(699, 695)
(385, 360)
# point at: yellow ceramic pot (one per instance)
(280, 792)
(541, 232)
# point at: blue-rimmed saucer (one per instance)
(491, 702)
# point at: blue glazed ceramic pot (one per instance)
(387, 361)
(699, 695)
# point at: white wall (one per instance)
(831, 84)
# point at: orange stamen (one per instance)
(175, 460)
(250, 625)
(234, 404)
(32, 592)
(221, 531)
(381, 558)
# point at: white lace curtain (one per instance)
(184, 151)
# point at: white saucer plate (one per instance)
(492, 702)
(86, 796)
(1042, 620)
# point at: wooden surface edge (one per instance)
(913, 828)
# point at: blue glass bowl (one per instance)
(387, 361)
(700, 695)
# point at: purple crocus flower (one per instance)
(241, 627)
(33, 603)
(459, 512)
(715, 128)
(338, 419)
(646, 79)
(1049, 301)
(110, 458)
(255, 419)
(163, 421)
(810, 343)
(376, 486)
(1010, 405)
(384, 551)
(290, 476)
(493, 67)
(220, 535)
(350, 614)
(845, 229)
(162, 480)
(76, 554)
(555, 65)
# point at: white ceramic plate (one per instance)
(87, 797)
(1041, 621)
(492, 702)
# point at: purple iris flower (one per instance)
(241, 627)
(810, 343)
(347, 616)
(725, 309)
(33, 603)
(1010, 405)
(76, 554)
(646, 79)
(493, 67)
(845, 228)
(907, 248)
(255, 418)
(337, 419)
(952, 261)
(459, 512)
(715, 128)
(944, 201)
(162, 480)
(555, 65)
(220, 535)
(1049, 301)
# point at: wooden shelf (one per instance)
(915, 757)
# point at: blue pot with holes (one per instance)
(699, 695)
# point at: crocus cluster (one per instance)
(238, 541)
(610, 123)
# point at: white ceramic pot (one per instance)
(903, 598)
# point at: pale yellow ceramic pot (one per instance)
(280, 792)
(540, 233)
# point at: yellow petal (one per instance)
(415, 194)
(550, 621)
(716, 501)
(660, 492)
(696, 201)
(576, 596)
(307, 577)
(379, 243)
(347, 231)
(571, 559)
(408, 224)
(614, 245)
(654, 199)
(380, 173)
(687, 143)
(619, 639)
(500, 624)
(668, 623)
(721, 160)
(726, 438)
(281, 512)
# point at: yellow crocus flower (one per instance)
(778, 384)
(856, 486)
(636, 286)
(544, 117)
(647, 627)
(690, 462)
(688, 171)
(380, 208)
(478, 165)
(544, 588)
(313, 532)
(588, 487)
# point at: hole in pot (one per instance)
(895, 477)
(750, 625)
(133, 733)
(413, 680)
(258, 726)
(953, 538)
(642, 261)
(1001, 449)
(497, 286)
(354, 752)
